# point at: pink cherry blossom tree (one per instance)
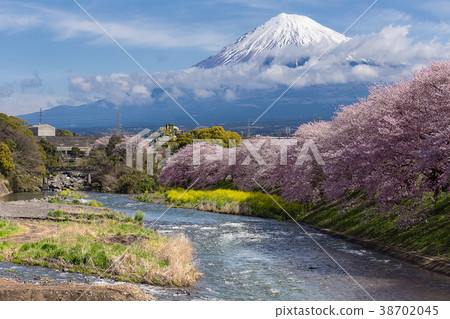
(202, 163)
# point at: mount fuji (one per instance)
(284, 40)
(282, 31)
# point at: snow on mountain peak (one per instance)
(281, 31)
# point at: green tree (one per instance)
(27, 155)
(16, 124)
(6, 161)
(113, 141)
(11, 144)
(134, 181)
(230, 139)
(76, 152)
(64, 133)
(50, 153)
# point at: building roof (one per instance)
(71, 141)
(43, 125)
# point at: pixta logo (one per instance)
(145, 151)
(255, 149)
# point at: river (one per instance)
(248, 258)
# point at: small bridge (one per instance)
(62, 169)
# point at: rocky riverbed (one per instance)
(36, 208)
(68, 180)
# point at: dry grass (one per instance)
(168, 263)
(123, 251)
(178, 251)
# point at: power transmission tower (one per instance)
(118, 127)
(40, 116)
(248, 128)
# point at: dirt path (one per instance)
(38, 209)
(11, 290)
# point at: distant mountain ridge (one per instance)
(281, 31)
(273, 37)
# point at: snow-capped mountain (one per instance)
(284, 30)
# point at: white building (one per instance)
(43, 130)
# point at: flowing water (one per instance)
(25, 196)
(247, 258)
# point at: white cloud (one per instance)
(140, 89)
(17, 16)
(365, 72)
(383, 56)
(202, 93)
(82, 84)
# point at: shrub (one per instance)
(139, 216)
(55, 200)
(94, 203)
(56, 213)
(133, 182)
(71, 194)
(6, 161)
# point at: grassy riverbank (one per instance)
(358, 217)
(228, 202)
(352, 215)
(8, 228)
(109, 244)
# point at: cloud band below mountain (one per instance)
(384, 56)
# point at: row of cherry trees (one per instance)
(392, 145)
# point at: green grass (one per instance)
(357, 217)
(55, 213)
(93, 248)
(91, 216)
(156, 197)
(235, 202)
(94, 203)
(8, 228)
(71, 194)
(74, 201)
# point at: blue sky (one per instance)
(45, 43)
